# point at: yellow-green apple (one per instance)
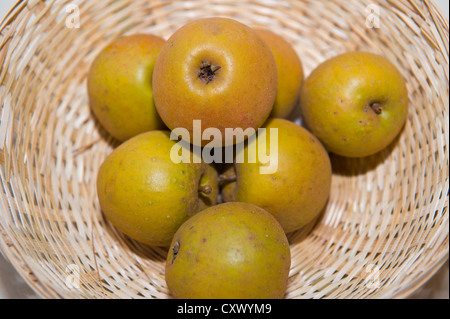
(356, 103)
(147, 195)
(229, 251)
(290, 73)
(296, 189)
(120, 86)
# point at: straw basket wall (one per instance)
(384, 231)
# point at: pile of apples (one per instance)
(225, 224)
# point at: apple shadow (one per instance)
(104, 135)
(301, 234)
(206, 201)
(296, 114)
(349, 166)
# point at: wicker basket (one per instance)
(385, 229)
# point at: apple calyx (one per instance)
(176, 249)
(205, 189)
(376, 107)
(208, 71)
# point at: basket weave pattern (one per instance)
(383, 233)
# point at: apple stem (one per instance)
(376, 107)
(208, 71)
(227, 178)
(205, 189)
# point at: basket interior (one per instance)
(383, 232)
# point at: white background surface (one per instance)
(12, 285)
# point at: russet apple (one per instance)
(146, 195)
(229, 251)
(218, 71)
(120, 86)
(356, 103)
(290, 73)
(298, 190)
